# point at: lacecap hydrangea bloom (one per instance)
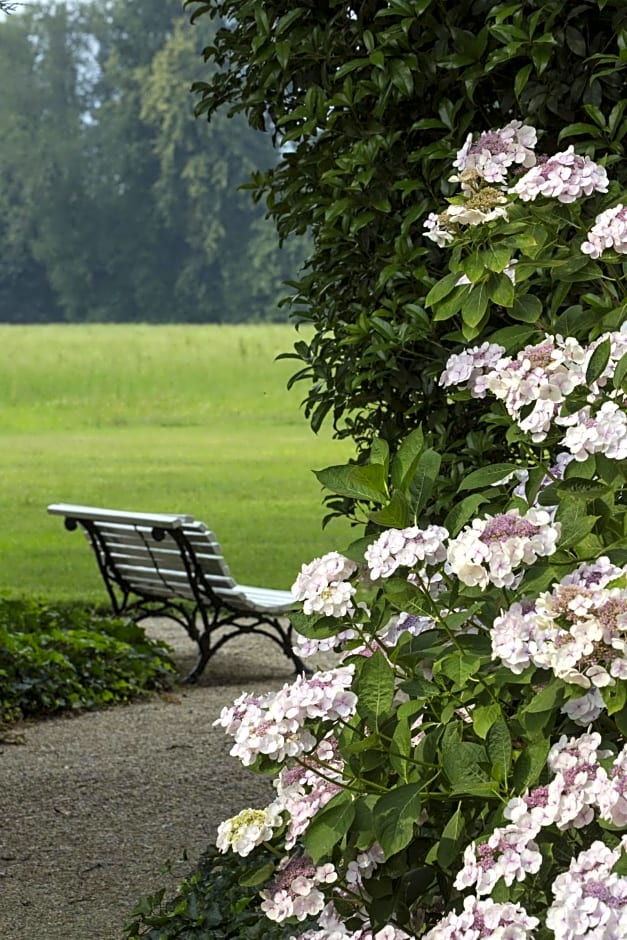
(578, 630)
(609, 231)
(294, 891)
(590, 899)
(248, 829)
(483, 919)
(493, 152)
(491, 550)
(275, 725)
(323, 585)
(565, 176)
(396, 548)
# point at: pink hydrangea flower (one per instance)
(609, 231)
(565, 176)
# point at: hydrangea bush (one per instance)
(460, 772)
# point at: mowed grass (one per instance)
(193, 419)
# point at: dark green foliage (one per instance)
(370, 101)
(61, 658)
(210, 905)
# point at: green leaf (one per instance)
(499, 745)
(461, 764)
(575, 524)
(405, 459)
(356, 482)
(475, 305)
(615, 696)
(400, 749)
(423, 480)
(380, 452)
(487, 476)
(442, 289)
(618, 379)
(374, 687)
(462, 512)
(395, 514)
(451, 839)
(527, 308)
(329, 826)
(459, 667)
(581, 489)
(394, 817)
(530, 764)
(483, 717)
(520, 82)
(313, 626)
(496, 258)
(257, 876)
(548, 699)
(598, 361)
(501, 290)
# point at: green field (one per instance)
(191, 419)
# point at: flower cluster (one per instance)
(578, 630)
(485, 919)
(332, 927)
(609, 231)
(590, 899)
(294, 891)
(483, 166)
(324, 587)
(493, 152)
(275, 724)
(397, 548)
(303, 789)
(483, 206)
(467, 367)
(491, 549)
(248, 829)
(535, 384)
(565, 176)
(602, 432)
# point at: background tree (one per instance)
(369, 100)
(117, 204)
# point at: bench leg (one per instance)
(203, 659)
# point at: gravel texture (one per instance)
(93, 806)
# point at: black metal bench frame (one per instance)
(195, 597)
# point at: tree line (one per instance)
(116, 204)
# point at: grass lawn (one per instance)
(189, 419)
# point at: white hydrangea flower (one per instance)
(602, 433)
(590, 899)
(509, 854)
(323, 587)
(484, 918)
(294, 890)
(465, 368)
(490, 550)
(577, 630)
(565, 176)
(275, 725)
(609, 231)
(436, 229)
(405, 548)
(493, 152)
(248, 829)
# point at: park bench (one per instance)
(167, 564)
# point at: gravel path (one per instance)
(93, 806)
